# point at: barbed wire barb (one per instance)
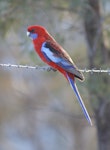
(47, 68)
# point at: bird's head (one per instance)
(35, 31)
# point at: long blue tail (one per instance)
(75, 89)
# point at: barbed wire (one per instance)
(47, 68)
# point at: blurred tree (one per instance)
(99, 57)
(14, 14)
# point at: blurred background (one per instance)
(38, 109)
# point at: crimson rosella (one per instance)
(55, 56)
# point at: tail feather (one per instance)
(75, 89)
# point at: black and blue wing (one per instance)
(53, 52)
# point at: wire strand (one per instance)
(47, 68)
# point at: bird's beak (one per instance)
(28, 33)
(33, 36)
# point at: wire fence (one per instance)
(47, 68)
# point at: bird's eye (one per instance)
(32, 31)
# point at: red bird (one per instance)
(55, 56)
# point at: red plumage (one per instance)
(55, 56)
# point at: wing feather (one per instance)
(55, 53)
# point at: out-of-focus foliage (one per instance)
(36, 112)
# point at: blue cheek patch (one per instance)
(33, 36)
